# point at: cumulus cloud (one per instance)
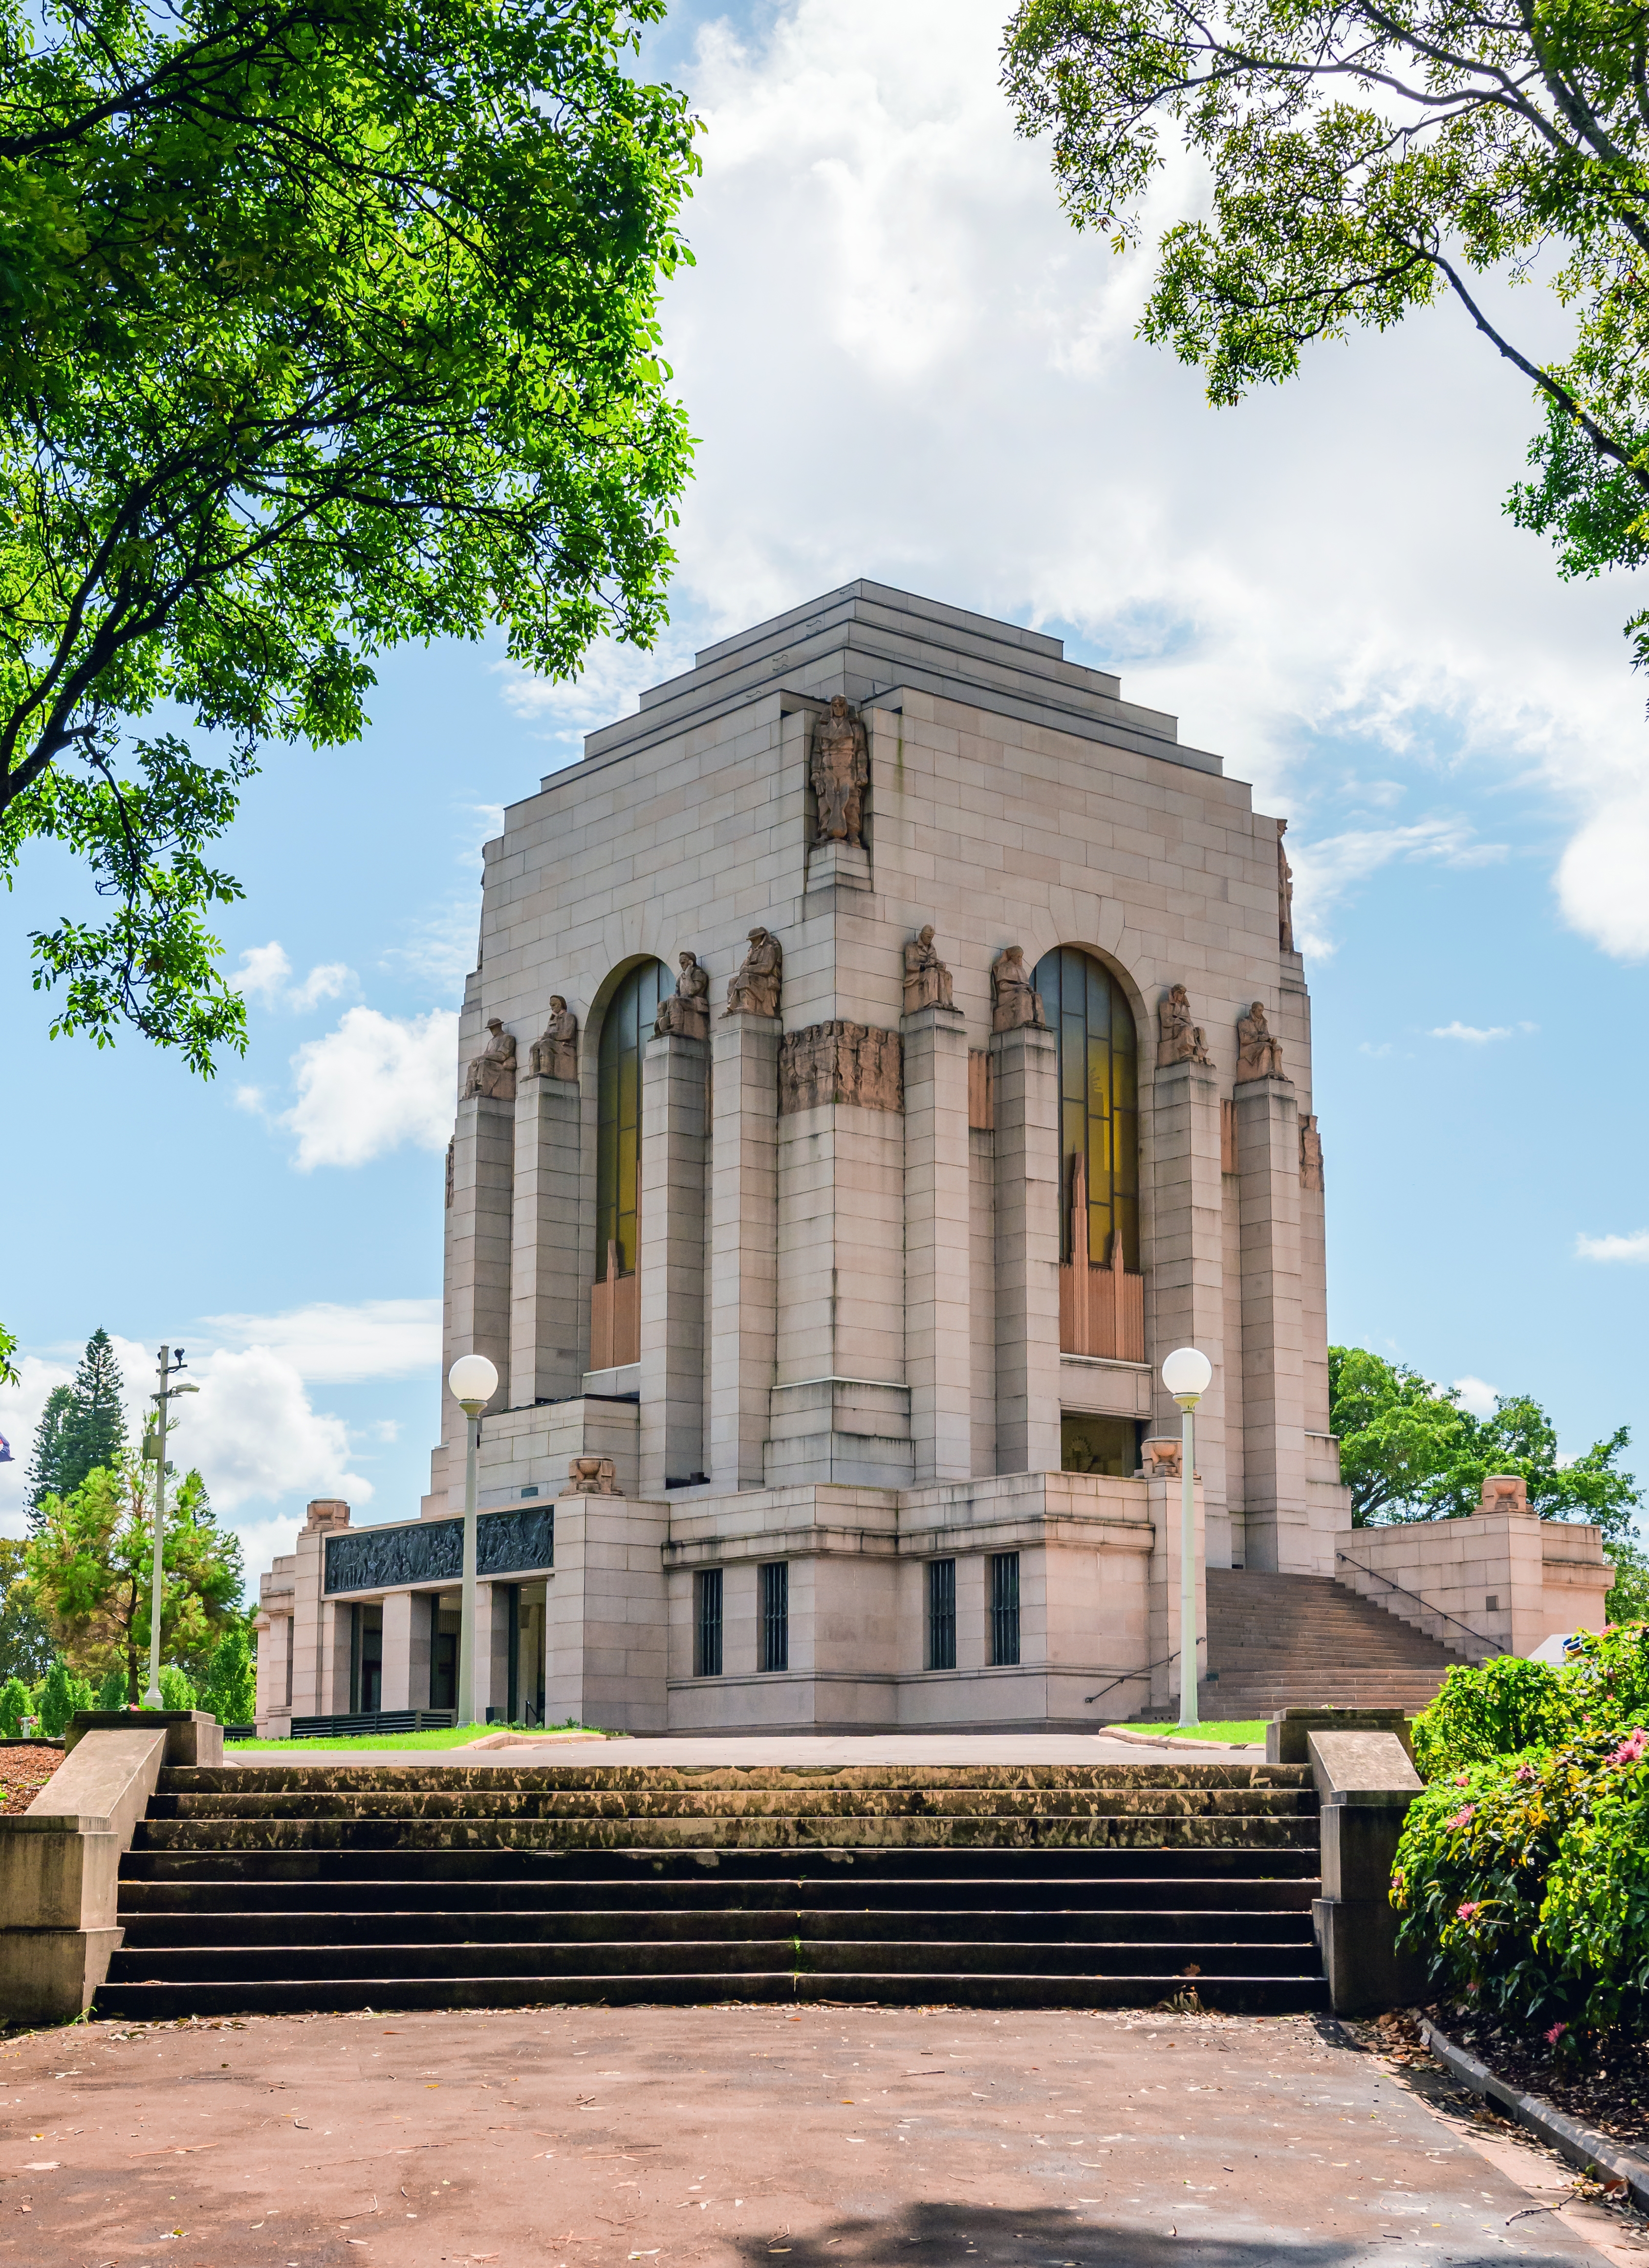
(960, 405)
(609, 685)
(251, 1429)
(372, 1084)
(265, 975)
(1474, 1034)
(1599, 877)
(330, 1344)
(1477, 1396)
(1634, 1247)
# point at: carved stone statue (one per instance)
(1504, 1492)
(1259, 1055)
(592, 1476)
(1014, 999)
(1284, 892)
(840, 1061)
(555, 1055)
(1310, 1154)
(1179, 1040)
(840, 773)
(686, 1011)
(927, 979)
(754, 991)
(1162, 1458)
(492, 1072)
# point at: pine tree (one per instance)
(93, 1431)
(45, 1467)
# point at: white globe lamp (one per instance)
(1186, 1373)
(473, 1382)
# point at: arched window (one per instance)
(1101, 1291)
(626, 1028)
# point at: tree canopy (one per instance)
(89, 1571)
(1367, 160)
(1408, 1451)
(81, 1427)
(323, 328)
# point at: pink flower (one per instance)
(1471, 1906)
(1525, 1773)
(1461, 1816)
(1632, 1748)
(1463, 1780)
(1556, 2034)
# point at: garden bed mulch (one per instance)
(1607, 2087)
(23, 1771)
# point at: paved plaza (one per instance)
(588, 2138)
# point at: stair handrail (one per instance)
(1122, 1676)
(1476, 1637)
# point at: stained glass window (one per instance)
(1088, 1013)
(626, 1029)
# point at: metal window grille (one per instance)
(941, 1614)
(776, 1615)
(1005, 1608)
(707, 1623)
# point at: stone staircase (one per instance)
(1305, 1641)
(310, 1887)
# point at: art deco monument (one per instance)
(884, 1047)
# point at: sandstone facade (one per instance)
(828, 1300)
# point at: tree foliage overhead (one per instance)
(1368, 159)
(1407, 1451)
(323, 328)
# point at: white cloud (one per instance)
(372, 1085)
(960, 405)
(609, 685)
(20, 1408)
(1327, 871)
(265, 972)
(1634, 1247)
(1477, 1396)
(254, 1434)
(1474, 1034)
(330, 1344)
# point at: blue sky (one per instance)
(901, 361)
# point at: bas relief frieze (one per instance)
(519, 1542)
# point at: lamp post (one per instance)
(473, 1382)
(169, 1370)
(1186, 1374)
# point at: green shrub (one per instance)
(57, 1696)
(1507, 1705)
(15, 1703)
(1524, 1883)
(232, 1683)
(176, 1691)
(112, 1692)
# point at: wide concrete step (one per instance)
(253, 1931)
(195, 1892)
(668, 1809)
(1305, 1992)
(955, 1957)
(699, 1782)
(1144, 1830)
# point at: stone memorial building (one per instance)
(883, 1048)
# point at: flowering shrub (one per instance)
(1509, 1704)
(1533, 1895)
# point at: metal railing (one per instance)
(1442, 1613)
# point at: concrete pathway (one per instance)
(795, 1751)
(738, 2137)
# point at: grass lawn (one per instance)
(450, 1736)
(1242, 1728)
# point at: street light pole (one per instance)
(1186, 1373)
(168, 1372)
(473, 1382)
